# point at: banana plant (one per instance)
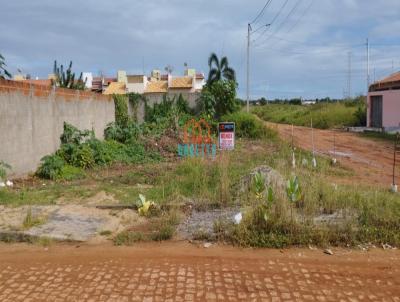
(264, 195)
(259, 185)
(293, 189)
(144, 205)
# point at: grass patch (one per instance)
(324, 115)
(31, 221)
(105, 233)
(158, 229)
(391, 137)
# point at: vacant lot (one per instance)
(330, 208)
(371, 160)
(323, 115)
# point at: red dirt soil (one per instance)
(177, 271)
(371, 160)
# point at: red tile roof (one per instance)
(395, 77)
(390, 82)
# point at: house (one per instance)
(97, 84)
(190, 82)
(383, 103)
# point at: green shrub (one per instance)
(121, 109)
(223, 94)
(83, 156)
(247, 125)
(101, 153)
(361, 115)
(72, 135)
(128, 134)
(69, 172)
(50, 167)
(3, 170)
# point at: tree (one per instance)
(224, 93)
(66, 79)
(3, 71)
(206, 103)
(263, 101)
(219, 70)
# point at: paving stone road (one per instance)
(182, 272)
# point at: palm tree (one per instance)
(219, 69)
(3, 71)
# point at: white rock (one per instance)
(9, 183)
(238, 218)
(207, 245)
(2, 184)
(328, 252)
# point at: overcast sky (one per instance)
(304, 53)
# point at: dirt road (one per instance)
(370, 159)
(179, 271)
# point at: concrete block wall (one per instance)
(32, 117)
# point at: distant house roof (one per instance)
(115, 88)
(157, 87)
(390, 82)
(199, 76)
(181, 83)
(135, 79)
(107, 81)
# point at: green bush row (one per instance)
(80, 150)
(248, 126)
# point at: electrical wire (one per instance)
(261, 12)
(287, 16)
(301, 16)
(272, 22)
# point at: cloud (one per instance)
(310, 59)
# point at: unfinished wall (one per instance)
(32, 117)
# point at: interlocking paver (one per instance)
(126, 275)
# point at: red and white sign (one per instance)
(226, 137)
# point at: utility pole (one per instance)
(248, 68)
(367, 66)
(249, 32)
(349, 75)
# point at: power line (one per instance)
(301, 16)
(312, 44)
(279, 12)
(273, 20)
(261, 12)
(283, 22)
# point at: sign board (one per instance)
(226, 136)
(197, 140)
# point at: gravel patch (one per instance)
(202, 223)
